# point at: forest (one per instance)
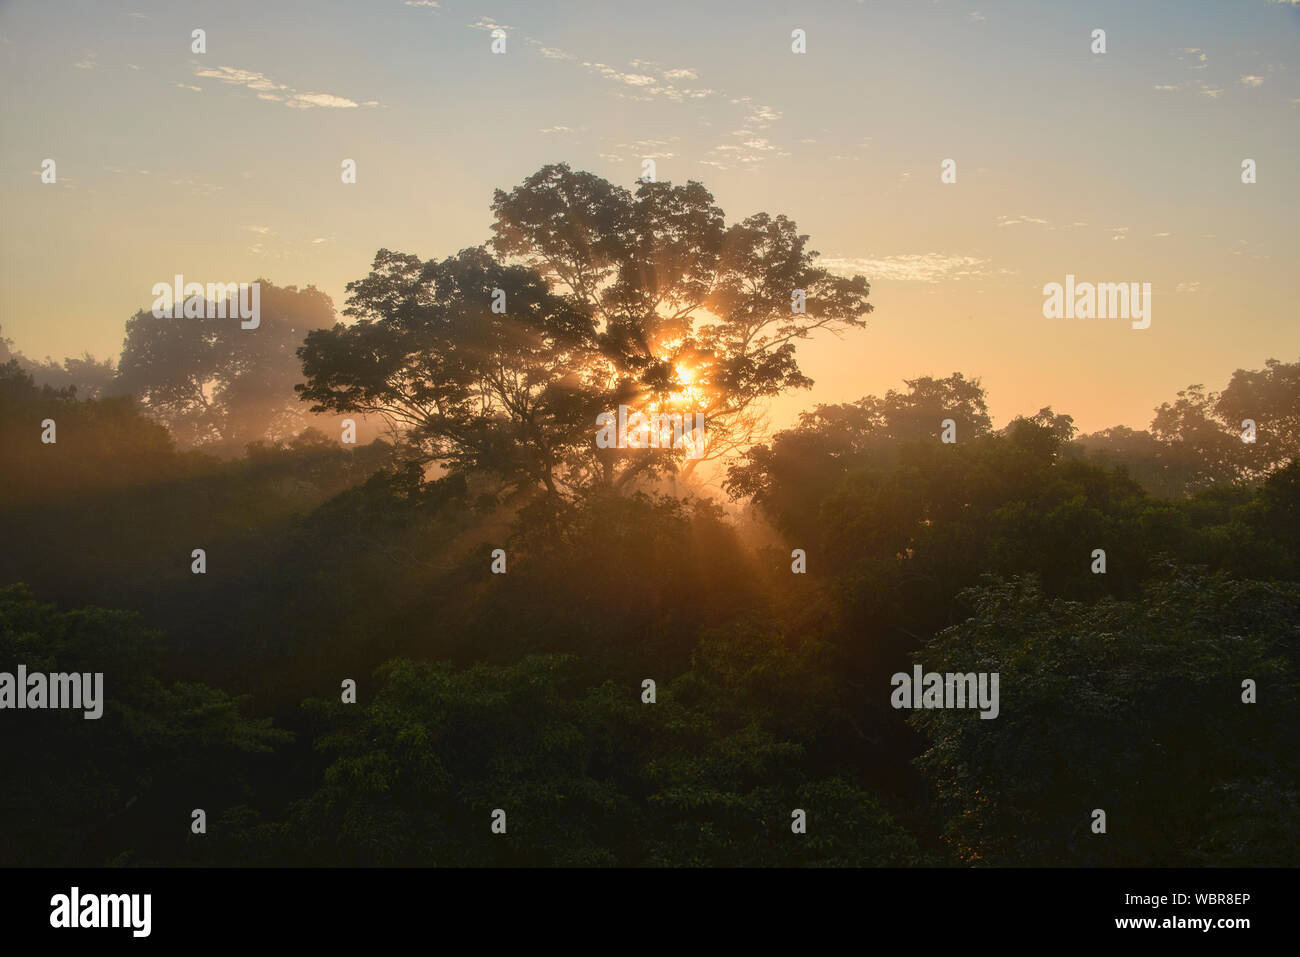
(647, 675)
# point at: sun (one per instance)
(688, 393)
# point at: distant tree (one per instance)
(1202, 431)
(1051, 430)
(91, 377)
(1271, 398)
(1139, 453)
(217, 386)
(788, 477)
(645, 299)
(109, 443)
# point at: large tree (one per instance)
(643, 298)
(218, 386)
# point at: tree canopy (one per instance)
(605, 297)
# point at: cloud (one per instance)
(305, 101)
(1193, 57)
(1019, 220)
(187, 86)
(230, 74)
(268, 89)
(922, 267)
(646, 80)
(200, 188)
(421, 3)
(1187, 287)
(641, 150)
(1252, 80)
(557, 129)
(88, 62)
(1213, 92)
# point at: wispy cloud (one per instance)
(647, 80)
(919, 267)
(88, 62)
(551, 53)
(229, 74)
(268, 89)
(640, 150)
(1020, 220)
(305, 101)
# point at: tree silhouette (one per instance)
(1202, 431)
(218, 386)
(612, 297)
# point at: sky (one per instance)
(1122, 166)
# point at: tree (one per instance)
(155, 746)
(645, 299)
(1271, 398)
(1134, 707)
(90, 377)
(1202, 431)
(217, 386)
(789, 477)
